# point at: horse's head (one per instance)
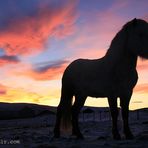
(137, 30)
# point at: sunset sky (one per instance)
(39, 38)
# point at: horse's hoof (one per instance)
(80, 137)
(117, 137)
(76, 137)
(56, 136)
(129, 137)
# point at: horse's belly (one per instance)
(99, 93)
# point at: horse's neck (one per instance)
(118, 54)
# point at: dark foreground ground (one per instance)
(38, 131)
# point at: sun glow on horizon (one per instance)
(138, 100)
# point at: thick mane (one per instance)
(133, 23)
(119, 40)
(121, 37)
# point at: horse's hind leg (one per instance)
(125, 99)
(78, 104)
(114, 113)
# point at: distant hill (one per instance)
(27, 110)
(23, 110)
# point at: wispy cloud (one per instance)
(29, 32)
(5, 60)
(45, 66)
(43, 71)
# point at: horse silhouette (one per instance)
(111, 76)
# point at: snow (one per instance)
(38, 132)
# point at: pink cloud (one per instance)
(3, 89)
(90, 53)
(45, 72)
(145, 17)
(29, 34)
(142, 65)
(141, 88)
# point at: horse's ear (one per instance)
(134, 21)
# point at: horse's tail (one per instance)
(66, 101)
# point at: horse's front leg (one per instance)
(124, 102)
(58, 122)
(114, 113)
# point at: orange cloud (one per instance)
(29, 34)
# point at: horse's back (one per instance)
(81, 68)
(86, 75)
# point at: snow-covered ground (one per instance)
(38, 132)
